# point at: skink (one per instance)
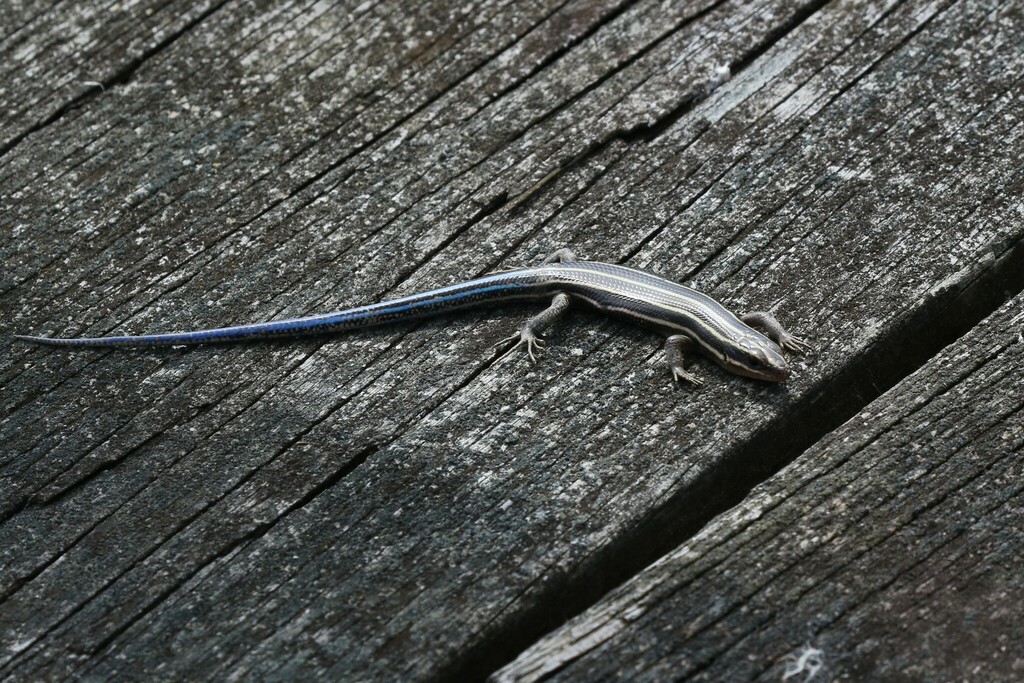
(692, 321)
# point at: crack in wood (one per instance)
(646, 132)
(121, 77)
(798, 560)
(715, 254)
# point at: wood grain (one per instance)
(408, 502)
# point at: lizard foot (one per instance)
(679, 374)
(788, 342)
(528, 339)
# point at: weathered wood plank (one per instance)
(102, 446)
(371, 489)
(127, 262)
(893, 546)
(87, 254)
(55, 54)
(490, 94)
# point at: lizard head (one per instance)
(757, 356)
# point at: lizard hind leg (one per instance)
(528, 335)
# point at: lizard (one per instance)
(692, 321)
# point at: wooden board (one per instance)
(57, 56)
(409, 502)
(893, 548)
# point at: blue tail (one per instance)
(511, 285)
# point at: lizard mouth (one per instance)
(767, 373)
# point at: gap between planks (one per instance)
(945, 317)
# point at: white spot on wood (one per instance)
(752, 80)
(807, 660)
(721, 74)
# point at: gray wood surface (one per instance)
(56, 55)
(409, 502)
(894, 547)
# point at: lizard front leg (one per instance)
(560, 256)
(774, 331)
